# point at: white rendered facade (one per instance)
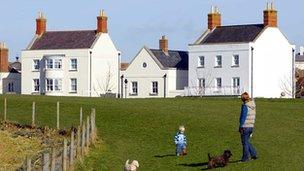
(272, 67)
(96, 71)
(153, 73)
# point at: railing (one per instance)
(213, 91)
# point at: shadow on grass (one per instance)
(205, 165)
(166, 155)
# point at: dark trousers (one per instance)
(248, 149)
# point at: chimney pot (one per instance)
(163, 44)
(40, 24)
(214, 18)
(270, 16)
(102, 22)
(3, 57)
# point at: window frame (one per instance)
(217, 81)
(73, 66)
(218, 61)
(234, 64)
(73, 87)
(36, 87)
(134, 86)
(36, 64)
(201, 62)
(154, 87)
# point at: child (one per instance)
(180, 142)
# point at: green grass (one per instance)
(142, 129)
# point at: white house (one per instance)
(10, 76)
(71, 63)
(156, 73)
(228, 60)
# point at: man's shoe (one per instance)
(254, 158)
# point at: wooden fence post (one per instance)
(80, 119)
(57, 115)
(64, 156)
(53, 162)
(33, 114)
(46, 162)
(88, 133)
(78, 138)
(83, 139)
(72, 151)
(4, 109)
(28, 164)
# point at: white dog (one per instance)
(131, 167)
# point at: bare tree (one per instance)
(108, 84)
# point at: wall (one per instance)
(226, 72)
(272, 64)
(6, 79)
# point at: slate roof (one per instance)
(16, 65)
(174, 59)
(65, 40)
(233, 34)
(299, 58)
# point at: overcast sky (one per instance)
(135, 23)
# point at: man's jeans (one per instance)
(180, 148)
(248, 149)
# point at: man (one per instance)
(247, 119)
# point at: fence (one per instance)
(213, 91)
(71, 149)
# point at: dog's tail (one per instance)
(209, 157)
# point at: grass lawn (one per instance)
(143, 129)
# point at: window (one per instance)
(201, 61)
(134, 88)
(218, 82)
(58, 84)
(236, 82)
(218, 61)
(58, 63)
(49, 63)
(73, 85)
(201, 83)
(36, 85)
(145, 65)
(235, 60)
(74, 64)
(49, 84)
(36, 64)
(155, 87)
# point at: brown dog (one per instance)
(219, 161)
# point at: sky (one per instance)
(137, 23)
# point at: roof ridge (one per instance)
(241, 25)
(171, 50)
(52, 31)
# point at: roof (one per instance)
(172, 59)
(16, 65)
(233, 34)
(64, 40)
(299, 58)
(124, 66)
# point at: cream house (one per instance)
(71, 63)
(231, 59)
(156, 73)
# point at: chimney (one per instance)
(270, 16)
(3, 58)
(214, 18)
(40, 24)
(102, 23)
(163, 44)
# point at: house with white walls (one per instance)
(231, 59)
(10, 73)
(71, 63)
(156, 73)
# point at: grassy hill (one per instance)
(143, 129)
